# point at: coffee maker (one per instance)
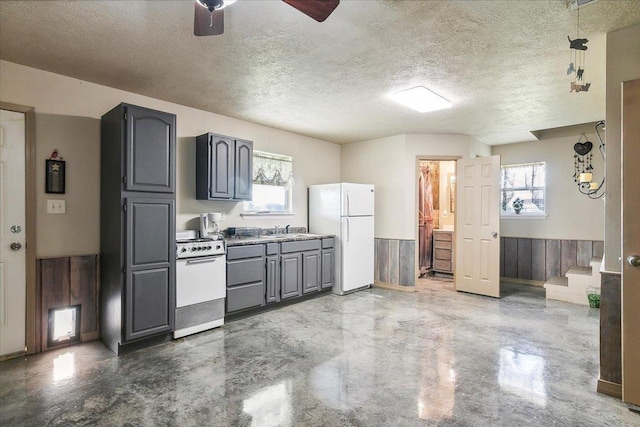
(210, 225)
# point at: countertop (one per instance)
(270, 238)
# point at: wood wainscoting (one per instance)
(538, 260)
(64, 282)
(395, 262)
(610, 381)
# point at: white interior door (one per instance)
(12, 232)
(356, 252)
(477, 248)
(631, 242)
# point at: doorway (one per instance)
(436, 216)
(17, 231)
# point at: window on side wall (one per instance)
(522, 190)
(272, 184)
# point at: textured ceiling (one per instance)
(502, 63)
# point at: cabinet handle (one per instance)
(348, 204)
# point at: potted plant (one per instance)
(593, 296)
(517, 204)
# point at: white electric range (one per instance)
(201, 283)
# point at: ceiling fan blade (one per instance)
(206, 23)
(316, 9)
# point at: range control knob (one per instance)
(183, 250)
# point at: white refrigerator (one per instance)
(346, 210)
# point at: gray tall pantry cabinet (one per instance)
(137, 227)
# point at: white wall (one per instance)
(623, 64)
(391, 165)
(570, 215)
(68, 115)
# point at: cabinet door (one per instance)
(327, 269)
(310, 272)
(272, 279)
(221, 165)
(291, 275)
(150, 150)
(243, 178)
(150, 267)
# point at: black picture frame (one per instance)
(55, 176)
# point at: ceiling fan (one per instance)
(209, 14)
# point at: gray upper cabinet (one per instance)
(224, 168)
(150, 150)
(243, 179)
(137, 227)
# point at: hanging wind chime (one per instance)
(577, 56)
(582, 160)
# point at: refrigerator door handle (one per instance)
(348, 229)
(348, 204)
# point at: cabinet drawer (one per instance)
(441, 265)
(442, 236)
(299, 246)
(248, 251)
(272, 249)
(245, 271)
(328, 243)
(442, 254)
(438, 244)
(245, 296)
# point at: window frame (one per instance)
(288, 202)
(524, 215)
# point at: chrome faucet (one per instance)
(286, 229)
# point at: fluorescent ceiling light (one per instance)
(421, 99)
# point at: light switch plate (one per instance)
(56, 206)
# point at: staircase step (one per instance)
(557, 281)
(580, 271)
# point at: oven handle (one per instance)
(203, 260)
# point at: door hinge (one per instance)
(124, 207)
(124, 268)
(124, 179)
(125, 116)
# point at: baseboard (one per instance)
(537, 283)
(392, 287)
(90, 336)
(609, 388)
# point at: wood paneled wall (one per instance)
(542, 259)
(63, 282)
(610, 335)
(395, 262)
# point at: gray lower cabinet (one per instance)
(328, 267)
(272, 279)
(311, 271)
(291, 275)
(245, 277)
(263, 274)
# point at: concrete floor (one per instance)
(374, 358)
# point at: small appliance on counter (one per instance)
(210, 225)
(201, 283)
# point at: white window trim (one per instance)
(250, 215)
(523, 215)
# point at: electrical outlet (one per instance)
(56, 206)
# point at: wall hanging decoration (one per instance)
(583, 164)
(55, 171)
(577, 61)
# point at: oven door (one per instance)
(200, 279)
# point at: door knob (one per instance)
(16, 246)
(15, 229)
(494, 234)
(634, 260)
